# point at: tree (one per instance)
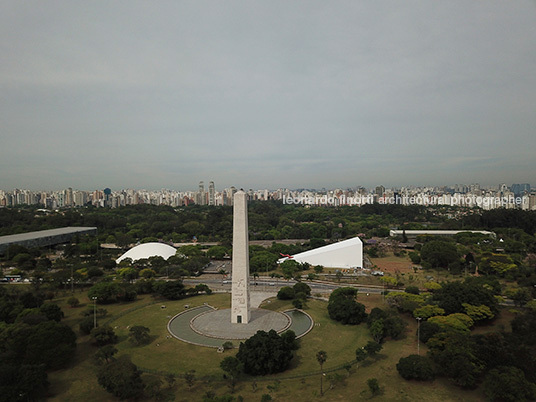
(86, 325)
(49, 343)
(289, 339)
(263, 261)
(455, 357)
(139, 335)
(428, 330)
(289, 268)
(372, 348)
(170, 379)
(415, 257)
(343, 307)
(172, 290)
(413, 289)
(286, 293)
(520, 296)
(265, 353)
(374, 386)
(508, 384)
(121, 378)
(216, 252)
(301, 287)
(360, 354)
(428, 311)
(52, 311)
(478, 313)
(232, 367)
(377, 330)
(103, 335)
(321, 357)
(105, 292)
(457, 322)
(453, 295)
(439, 253)
(153, 388)
(23, 382)
(105, 354)
(394, 326)
(147, 273)
(201, 287)
(189, 377)
(415, 367)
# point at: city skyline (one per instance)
(266, 94)
(518, 195)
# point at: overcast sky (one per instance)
(266, 94)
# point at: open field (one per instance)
(299, 383)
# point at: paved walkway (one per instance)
(217, 323)
(256, 298)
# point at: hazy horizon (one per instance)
(279, 94)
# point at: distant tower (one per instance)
(200, 196)
(211, 194)
(379, 191)
(232, 192)
(240, 270)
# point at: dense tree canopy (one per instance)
(343, 307)
(121, 378)
(266, 353)
(508, 384)
(452, 296)
(415, 367)
(439, 254)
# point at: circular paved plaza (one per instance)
(206, 326)
(217, 323)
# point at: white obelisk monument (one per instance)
(240, 273)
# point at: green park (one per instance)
(448, 319)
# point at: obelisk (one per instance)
(240, 273)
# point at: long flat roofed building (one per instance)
(45, 238)
(415, 233)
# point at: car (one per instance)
(377, 273)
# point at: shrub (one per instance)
(73, 302)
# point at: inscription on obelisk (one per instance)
(240, 285)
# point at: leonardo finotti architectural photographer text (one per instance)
(458, 200)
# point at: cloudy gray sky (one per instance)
(163, 94)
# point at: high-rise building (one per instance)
(520, 189)
(211, 193)
(379, 191)
(200, 197)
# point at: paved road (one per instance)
(272, 285)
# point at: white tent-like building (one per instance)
(344, 254)
(147, 250)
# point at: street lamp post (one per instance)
(94, 311)
(419, 335)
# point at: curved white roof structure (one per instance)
(343, 254)
(147, 250)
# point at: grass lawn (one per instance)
(300, 383)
